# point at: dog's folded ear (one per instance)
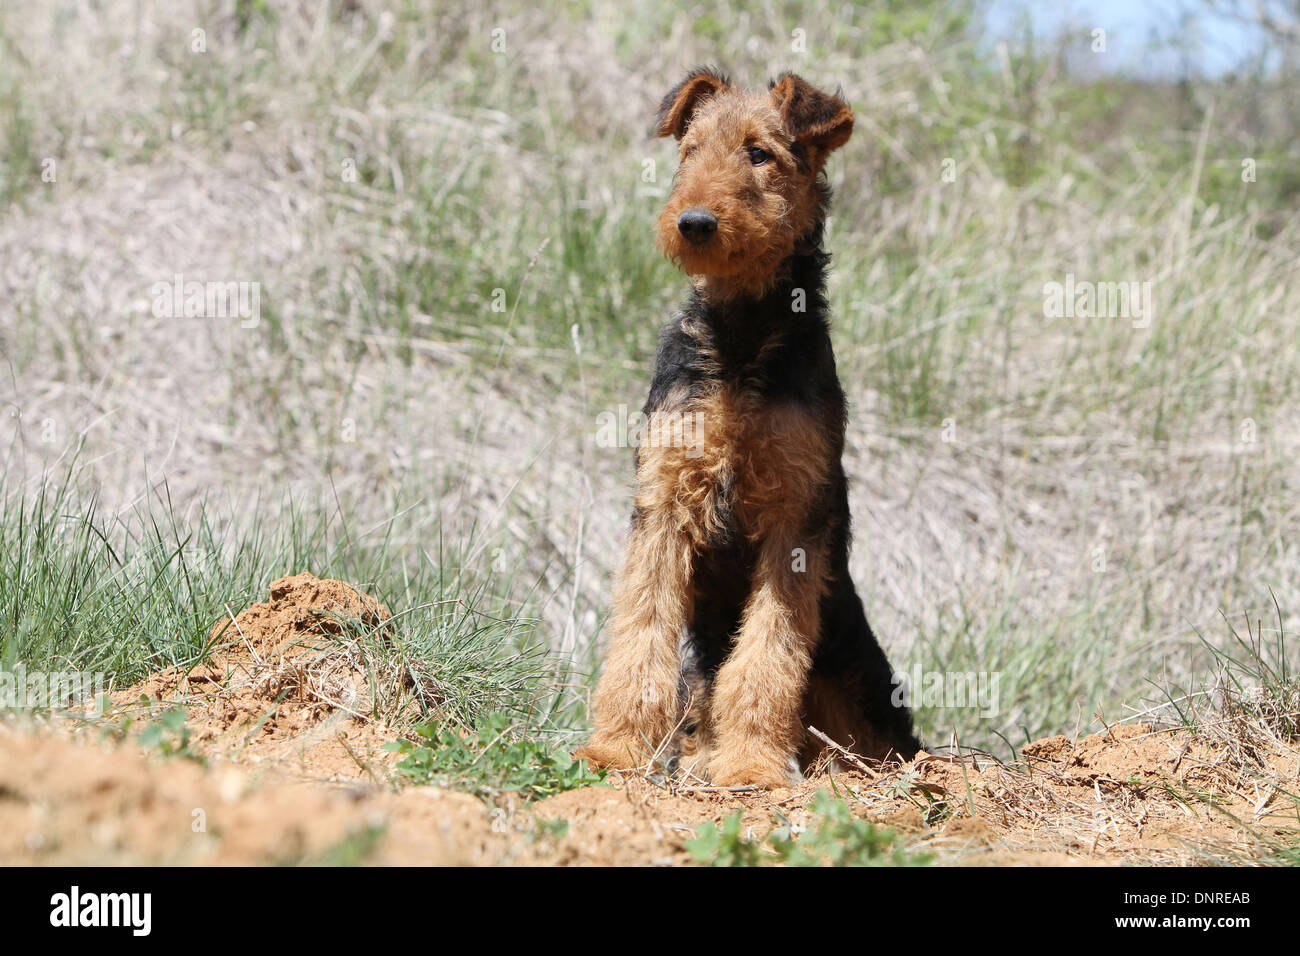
(819, 121)
(679, 106)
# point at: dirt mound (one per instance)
(287, 681)
(302, 612)
(1126, 754)
(1133, 794)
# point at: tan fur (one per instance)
(782, 458)
(775, 460)
(757, 700)
(822, 123)
(694, 743)
(761, 210)
(636, 704)
(697, 88)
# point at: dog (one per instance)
(735, 624)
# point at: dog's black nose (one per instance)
(697, 224)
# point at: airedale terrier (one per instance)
(735, 623)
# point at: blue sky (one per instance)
(1139, 33)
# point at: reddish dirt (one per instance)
(68, 801)
(294, 772)
(1107, 799)
(284, 685)
(1130, 795)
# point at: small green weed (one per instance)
(715, 845)
(493, 759)
(352, 850)
(834, 838)
(169, 735)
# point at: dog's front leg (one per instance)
(636, 703)
(758, 697)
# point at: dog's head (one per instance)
(747, 188)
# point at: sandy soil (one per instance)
(295, 773)
(284, 687)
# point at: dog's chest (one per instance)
(732, 462)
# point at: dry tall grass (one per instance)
(1063, 502)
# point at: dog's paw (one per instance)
(610, 754)
(766, 775)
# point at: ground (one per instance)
(277, 760)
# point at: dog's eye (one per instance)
(758, 156)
